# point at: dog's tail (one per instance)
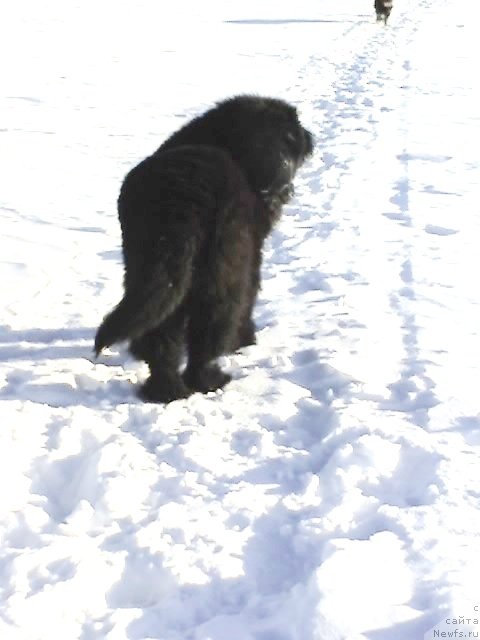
(148, 304)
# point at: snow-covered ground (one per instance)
(331, 491)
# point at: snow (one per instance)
(330, 492)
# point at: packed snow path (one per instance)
(330, 492)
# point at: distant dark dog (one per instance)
(194, 217)
(383, 9)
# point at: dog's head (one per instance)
(266, 138)
(263, 135)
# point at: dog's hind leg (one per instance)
(246, 327)
(162, 349)
(246, 334)
(211, 332)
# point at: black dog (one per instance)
(383, 9)
(194, 217)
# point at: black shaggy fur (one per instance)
(383, 9)
(194, 217)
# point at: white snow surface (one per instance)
(331, 490)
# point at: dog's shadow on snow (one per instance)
(24, 344)
(57, 367)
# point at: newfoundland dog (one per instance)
(194, 217)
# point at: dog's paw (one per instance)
(208, 378)
(164, 390)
